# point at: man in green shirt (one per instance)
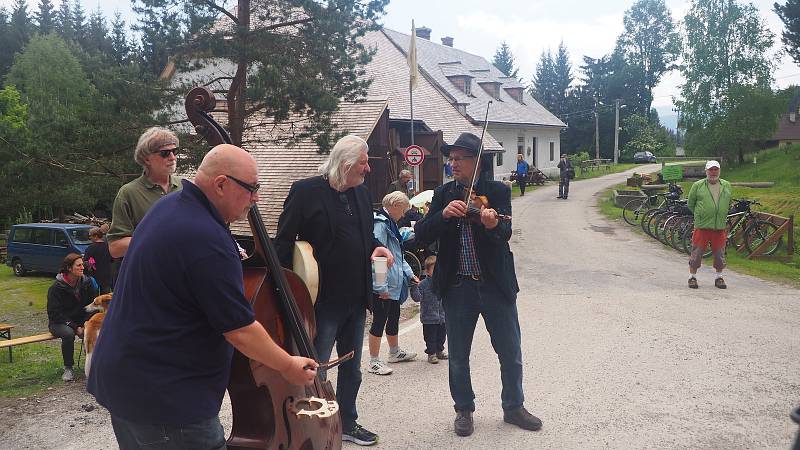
(156, 153)
(709, 199)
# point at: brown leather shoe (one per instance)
(463, 424)
(693, 283)
(523, 419)
(720, 283)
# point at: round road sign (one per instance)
(414, 155)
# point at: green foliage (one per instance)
(726, 45)
(504, 60)
(747, 114)
(578, 158)
(552, 80)
(790, 15)
(650, 42)
(645, 135)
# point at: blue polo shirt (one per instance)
(161, 357)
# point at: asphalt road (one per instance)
(617, 351)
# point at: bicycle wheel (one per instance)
(667, 228)
(646, 218)
(650, 226)
(632, 212)
(758, 232)
(413, 261)
(676, 233)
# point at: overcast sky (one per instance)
(529, 27)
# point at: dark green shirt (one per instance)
(133, 201)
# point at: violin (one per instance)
(475, 203)
(268, 411)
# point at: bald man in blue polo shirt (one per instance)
(162, 364)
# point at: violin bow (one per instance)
(480, 152)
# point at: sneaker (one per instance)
(441, 355)
(559, 197)
(379, 368)
(433, 359)
(401, 356)
(68, 375)
(463, 425)
(360, 435)
(523, 419)
(693, 283)
(720, 283)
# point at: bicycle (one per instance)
(744, 230)
(633, 211)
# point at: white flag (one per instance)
(413, 72)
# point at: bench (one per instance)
(5, 332)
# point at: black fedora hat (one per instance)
(467, 142)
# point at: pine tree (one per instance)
(64, 21)
(790, 15)
(6, 52)
(120, 48)
(562, 70)
(45, 17)
(504, 60)
(20, 28)
(79, 22)
(97, 38)
(544, 81)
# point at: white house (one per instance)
(516, 121)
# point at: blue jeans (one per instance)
(204, 435)
(342, 322)
(465, 301)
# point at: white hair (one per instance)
(395, 198)
(150, 141)
(343, 156)
(405, 173)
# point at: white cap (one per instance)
(711, 164)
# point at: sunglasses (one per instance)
(165, 153)
(252, 188)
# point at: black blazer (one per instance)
(308, 215)
(494, 254)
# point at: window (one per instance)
(552, 151)
(521, 145)
(467, 86)
(41, 236)
(500, 156)
(22, 235)
(80, 236)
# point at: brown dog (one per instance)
(91, 329)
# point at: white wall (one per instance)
(508, 136)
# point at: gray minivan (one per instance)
(43, 246)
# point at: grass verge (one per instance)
(23, 303)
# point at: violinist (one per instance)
(475, 276)
(163, 360)
(333, 213)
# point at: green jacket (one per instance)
(707, 214)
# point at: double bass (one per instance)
(268, 411)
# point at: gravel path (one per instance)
(618, 353)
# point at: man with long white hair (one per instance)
(333, 213)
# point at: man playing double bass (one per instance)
(333, 213)
(163, 360)
(475, 276)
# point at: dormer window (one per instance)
(492, 88)
(462, 82)
(515, 93)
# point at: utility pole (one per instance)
(616, 133)
(596, 131)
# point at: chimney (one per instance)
(792, 117)
(424, 33)
(448, 41)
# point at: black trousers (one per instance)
(434, 335)
(563, 187)
(522, 183)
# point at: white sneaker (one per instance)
(401, 356)
(379, 368)
(68, 375)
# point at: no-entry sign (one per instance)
(414, 155)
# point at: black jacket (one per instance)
(65, 304)
(309, 216)
(494, 255)
(564, 166)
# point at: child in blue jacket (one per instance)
(431, 314)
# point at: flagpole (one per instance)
(411, 80)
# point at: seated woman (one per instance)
(66, 298)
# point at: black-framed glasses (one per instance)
(346, 203)
(252, 188)
(165, 153)
(453, 159)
